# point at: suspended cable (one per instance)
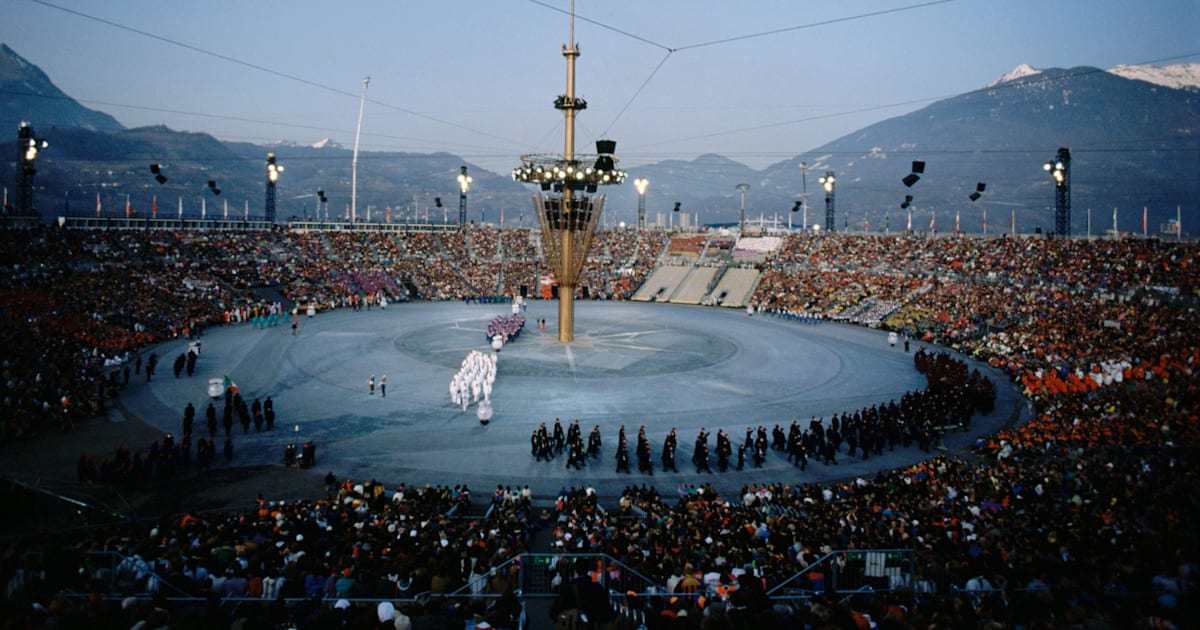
(277, 73)
(789, 29)
(636, 93)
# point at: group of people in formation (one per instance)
(797, 443)
(474, 379)
(546, 444)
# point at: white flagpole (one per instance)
(203, 208)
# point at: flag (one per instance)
(887, 221)
(154, 207)
(956, 218)
(181, 207)
(1143, 221)
(909, 220)
(933, 221)
(203, 208)
(501, 217)
(230, 385)
(128, 208)
(97, 204)
(1012, 223)
(1116, 232)
(985, 220)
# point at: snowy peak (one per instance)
(326, 143)
(1183, 76)
(1020, 72)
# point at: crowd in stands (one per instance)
(1084, 516)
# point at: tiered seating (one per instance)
(695, 286)
(662, 284)
(734, 288)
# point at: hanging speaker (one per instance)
(980, 187)
(975, 196)
(160, 178)
(910, 179)
(918, 166)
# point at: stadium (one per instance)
(1034, 467)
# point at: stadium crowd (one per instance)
(1082, 517)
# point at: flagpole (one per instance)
(181, 209)
(1089, 229)
(1116, 232)
(1144, 221)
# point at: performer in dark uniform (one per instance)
(622, 455)
(668, 452)
(594, 443)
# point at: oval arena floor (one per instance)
(656, 365)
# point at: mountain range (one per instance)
(1133, 131)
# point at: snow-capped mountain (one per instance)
(1183, 76)
(1020, 72)
(326, 143)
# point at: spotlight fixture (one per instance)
(907, 202)
(910, 179)
(796, 207)
(918, 166)
(212, 185)
(676, 206)
(979, 187)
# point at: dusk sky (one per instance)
(757, 81)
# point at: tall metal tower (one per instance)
(567, 206)
(1060, 170)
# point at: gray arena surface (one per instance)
(653, 365)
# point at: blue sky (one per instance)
(478, 77)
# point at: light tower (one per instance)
(28, 146)
(567, 206)
(640, 184)
(827, 181)
(464, 186)
(804, 195)
(742, 188)
(1060, 169)
(273, 171)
